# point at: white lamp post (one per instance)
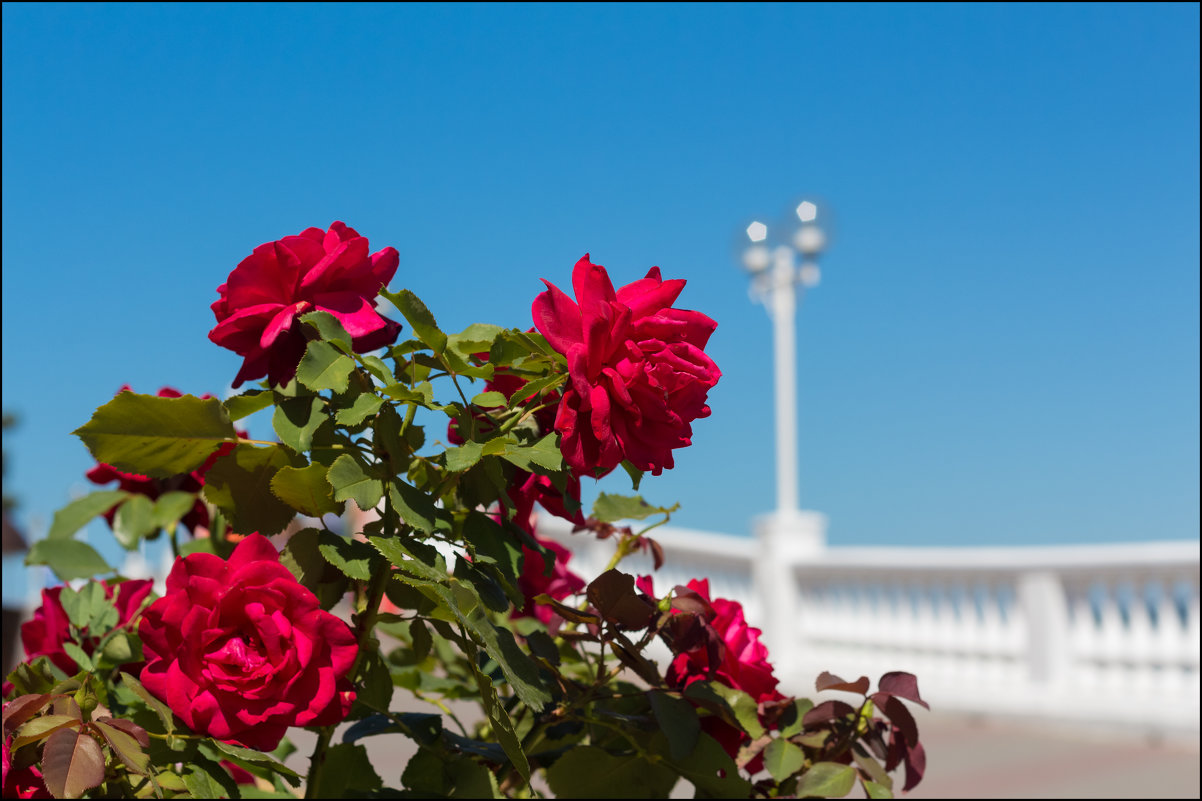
(787, 535)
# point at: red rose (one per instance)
(241, 651)
(45, 634)
(744, 659)
(152, 488)
(741, 663)
(280, 281)
(559, 585)
(639, 374)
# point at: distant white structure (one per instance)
(1071, 633)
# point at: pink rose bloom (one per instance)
(45, 634)
(742, 664)
(152, 488)
(241, 651)
(282, 280)
(559, 585)
(639, 373)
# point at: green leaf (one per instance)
(157, 437)
(72, 763)
(122, 648)
(415, 507)
(171, 507)
(678, 721)
(68, 559)
(708, 767)
(249, 402)
(875, 790)
(134, 520)
(793, 718)
(376, 366)
(421, 394)
(419, 317)
(476, 338)
(531, 388)
(352, 557)
(501, 724)
(612, 508)
(636, 475)
(351, 480)
(268, 761)
(463, 457)
(329, 328)
(489, 400)
(157, 706)
(296, 420)
(545, 453)
(125, 747)
(783, 759)
(202, 780)
(40, 728)
(240, 484)
(80, 604)
(72, 517)
(302, 556)
(739, 704)
(324, 367)
(79, 656)
(826, 780)
(347, 769)
(364, 407)
(591, 772)
(373, 683)
(306, 490)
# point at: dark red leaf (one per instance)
(916, 765)
(829, 681)
(691, 602)
(21, 709)
(614, 596)
(567, 612)
(130, 728)
(899, 715)
(72, 763)
(903, 685)
(826, 712)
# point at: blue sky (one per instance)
(1004, 348)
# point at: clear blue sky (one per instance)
(1004, 348)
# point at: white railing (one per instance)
(1079, 634)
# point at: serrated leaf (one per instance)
(296, 420)
(72, 517)
(489, 400)
(708, 767)
(415, 507)
(532, 388)
(269, 761)
(324, 367)
(419, 317)
(202, 783)
(156, 706)
(464, 457)
(476, 338)
(69, 559)
(42, 727)
(545, 453)
(612, 508)
(329, 328)
(826, 780)
(352, 557)
(157, 437)
(79, 656)
(741, 705)
(79, 604)
(240, 484)
(249, 402)
(125, 747)
(783, 759)
(364, 407)
(72, 763)
(306, 490)
(355, 773)
(133, 521)
(351, 480)
(422, 393)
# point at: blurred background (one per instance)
(1002, 351)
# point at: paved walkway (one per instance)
(976, 759)
(969, 758)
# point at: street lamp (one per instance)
(788, 536)
(777, 270)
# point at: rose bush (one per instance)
(450, 592)
(240, 650)
(281, 280)
(638, 368)
(45, 634)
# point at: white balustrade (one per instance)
(1083, 633)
